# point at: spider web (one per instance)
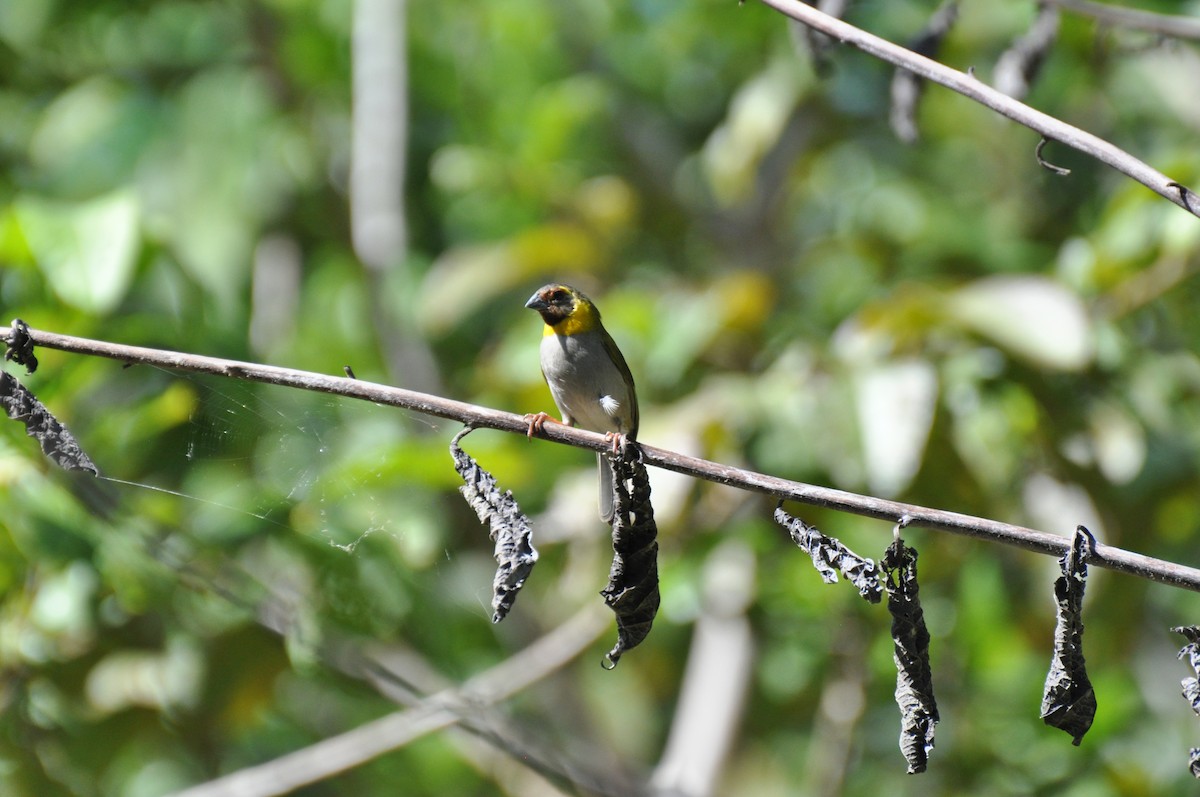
(253, 456)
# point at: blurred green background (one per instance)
(320, 183)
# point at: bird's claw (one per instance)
(536, 421)
(618, 442)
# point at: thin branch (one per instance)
(1176, 27)
(1045, 164)
(971, 87)
(401, 675)
(880, 508)
(345, 751)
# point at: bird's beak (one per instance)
(536, 303)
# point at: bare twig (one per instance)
(1045, 164)
(1176, 27)
(1056, 545)
(969, 86)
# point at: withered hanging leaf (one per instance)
(1069, 702)
(1191, 686)
(632, 591)
(815, 43)
(910, 637)
(18, 346)
(57, 443)
(829, 556)
(1018, 66)
(906, 86)
(510, 529)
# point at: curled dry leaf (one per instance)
(18, 346)
(510, 529)
(1191, 684)
(1018, 67)
(815, 44)
(830, 556)
(1069, 702)
(57, 443)
(906, 86)
(910, 638)
(632, 591)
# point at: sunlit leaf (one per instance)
(1034, 318)
(87, 250)
(895, 402)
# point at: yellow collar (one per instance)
(583, 318)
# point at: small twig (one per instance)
(1177, 27)
(1045, 164)
(1184, 194)
(1001, 103)
(1056, 545)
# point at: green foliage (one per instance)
(796, 291)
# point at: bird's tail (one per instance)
(606, 488)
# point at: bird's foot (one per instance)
(618, 441)
(536, 421)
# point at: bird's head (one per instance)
(565, 310)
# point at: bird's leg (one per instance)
(536, 421)
(618, 442)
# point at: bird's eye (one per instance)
(558, 295)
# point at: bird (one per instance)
(588, 377)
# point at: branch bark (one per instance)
(971, 87)
(1055, 545)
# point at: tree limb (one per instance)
(1105, 556)
(1176, 27)
(973, 88)
(353, 748)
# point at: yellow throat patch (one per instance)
(583, 318)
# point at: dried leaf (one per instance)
(510, 529)
(1191, 686)
(816, 44)
(18, 346)
(914, 678)
(906, 86)
(57, 443)
(829, 556)
(1069, 702)
(632, 591)
(1018, 67)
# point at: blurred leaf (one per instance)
(1034, 318)
(756, 118)
(87, 250)
(895, 402)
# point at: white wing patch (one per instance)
(610, 406)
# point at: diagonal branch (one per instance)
(353, 748)
(403, 676)
(1105, 556)
(971, 87)
(1177, 27)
